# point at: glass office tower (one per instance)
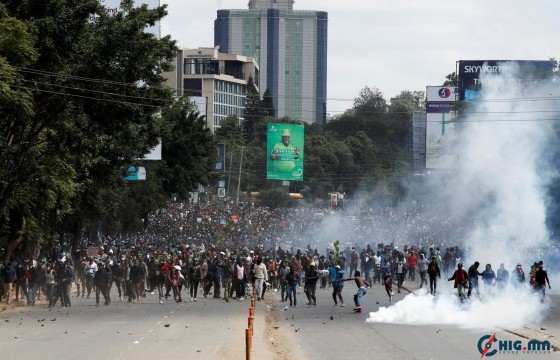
(291, 49)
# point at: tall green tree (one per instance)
(96, 89)
(450, 79)
(253, 111)
(230, 131)
(370, 102)
(189, 150)
(267, 105)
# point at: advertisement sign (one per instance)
(285, 152)
(440, 129)
(135, 173)
(220, 164)
(517, 71)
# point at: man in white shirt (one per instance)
(90, 269)
(261, 276)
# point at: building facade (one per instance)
(218, 77)
(291, 49)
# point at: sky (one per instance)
(398, 45)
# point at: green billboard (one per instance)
(284, 152)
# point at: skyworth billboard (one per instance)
(527, 72)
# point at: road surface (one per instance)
(213, 329)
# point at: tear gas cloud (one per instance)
(509, 309)
(499, 183)
(500, 176)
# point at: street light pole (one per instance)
(239, 176)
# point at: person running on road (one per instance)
(102, 281)
(338, 285)
(434, 274)
(401, 272)
(502, 277)
(518, 276)
(90, 268)
(261, 276)
(293, 281)
(473, 279)
(195, 274)
(388, 280)
(541, 280)
(362, 285)
(284, 270)
(488, 277)
(461, 281)
(422, 269)
(311, 278)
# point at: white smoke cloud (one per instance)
(510, 309)
(499, 178)
(499, 186)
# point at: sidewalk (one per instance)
(548, 329)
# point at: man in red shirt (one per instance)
(412, 263)
(461, 281)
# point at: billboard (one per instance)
(440, 129)
(285, 152)
(221, 163)
(134, 173)
(526, 72)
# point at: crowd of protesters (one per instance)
(221, 250)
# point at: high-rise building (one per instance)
(218, 78)
(291, 49)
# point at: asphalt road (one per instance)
(206, 329)
(213, 329)
(327, 332)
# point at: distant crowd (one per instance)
(221, 250)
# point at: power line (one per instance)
(86, 97)
(170, 103)
(54, 74)
(98, 91)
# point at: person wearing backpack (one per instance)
(433, 274)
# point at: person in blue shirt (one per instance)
(338, 285)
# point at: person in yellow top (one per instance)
(283, 154)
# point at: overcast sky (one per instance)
(398, 45)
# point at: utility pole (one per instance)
(239, 177)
